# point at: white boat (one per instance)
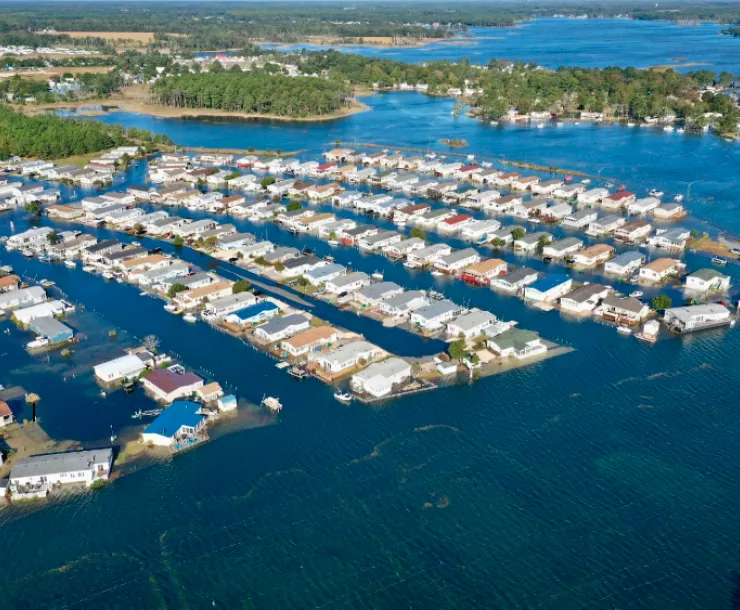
(70, 264)
(27, 253)
(107, 275)
(143, 294)
(189, 317)
(718, 260)
(586, 181)
(436, 273)
(272, 403)
(333, 242)
(6, 269)
(36, 343)
(89, 269)
(668, 128)
(630, 124)
(170, 307)
(656, 193)
(680, 130)
(283, 364)
(624, 330)
(540, 126)
(377, 276)
(678, 198)
(344, 397)
(410, 265)
(636, 294)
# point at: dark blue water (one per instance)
(566, 42)
(603, 478)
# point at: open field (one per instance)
(45, 73)
(145, 37)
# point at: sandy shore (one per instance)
(132, 100)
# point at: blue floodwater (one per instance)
(604, 478)
(589, 43)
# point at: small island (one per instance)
(454, 142)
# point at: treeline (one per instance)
(734, 32)
(621, 92)
(255, 92)
(387, 73)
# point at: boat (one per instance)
(436, 273)
(678, 198)
(411, 265)
(170, 307)
(680, 130)
(649, 331)
(297, 372)
(283, 364)
(609, 185)
(129, 387)
(36, 343)
(333, 242)
(329, 258)
(636, 294)
(89, 269)
(189, 317)
(540, 126)
(272, 403)
(6, 269)
(718, 260)
(27, 253)
(45, 258)
(481, 241)
(344, 397)
(668, 128)
(656, 193)
(624, 330)
(143, 293)
(107, 275)
(586, 181)
(70, 264)
(148, 413)
(377, 275)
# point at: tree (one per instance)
(662, 302)
(52, 238)
(261, 261)
(542, 242)
(294, 205)
(151, 342)
(241, 286)
(178, 241)
(33, 208)
(138, 228)
(498, 243)
(175, 288)
(517, 233)
(457, 350)
(279, 266)
(419, 233)
(267, 181)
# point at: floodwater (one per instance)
(604, 478)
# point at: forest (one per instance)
(54, 137)
(255, 92)
(224, 25)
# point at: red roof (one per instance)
(168, 381)
(5, 409)
(508, 198)
(325, 166)
(510, 175)
(621, 195)
(410, 209)
(456, 219)
(469, 168)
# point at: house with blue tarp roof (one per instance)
(179, 422)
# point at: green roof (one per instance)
(516, 338)
(707, 274)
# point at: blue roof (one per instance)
(255, 310)
(549, 282)
(180, 413)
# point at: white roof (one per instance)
(120, 367)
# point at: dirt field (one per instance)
(145, 37)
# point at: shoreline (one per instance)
(127, 103)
